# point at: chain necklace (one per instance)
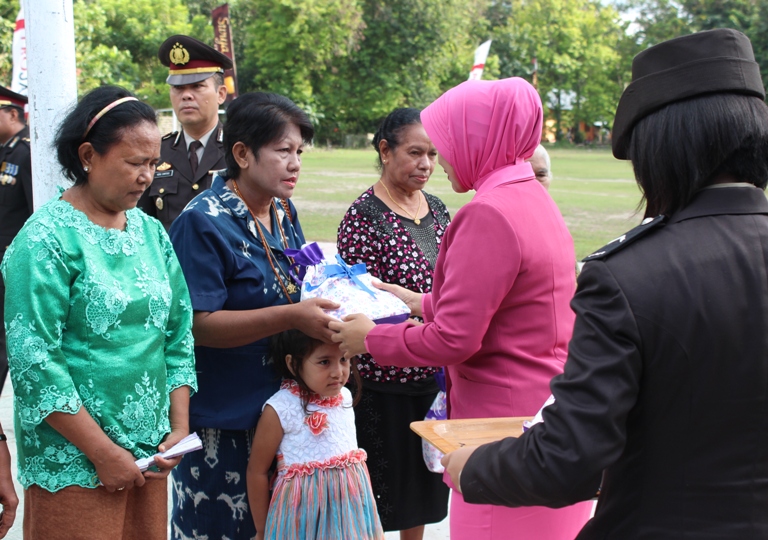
(291, 287)
(415, 217)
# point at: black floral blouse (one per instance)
(372, 234)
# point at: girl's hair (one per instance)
(300, 346)
(392, 127)
(256, 119)
(105, 133)
(684, 146)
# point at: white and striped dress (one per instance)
(322, 490)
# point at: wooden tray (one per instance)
(449, 435)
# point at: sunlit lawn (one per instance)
(595, 192)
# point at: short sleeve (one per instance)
(204, 258)
(179, 343)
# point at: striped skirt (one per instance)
(332, 503)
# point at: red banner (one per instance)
(222, 42)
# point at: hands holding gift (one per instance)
(352, 331)
(312, 319)
(411, 299)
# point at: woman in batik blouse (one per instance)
(100, 348)
(231, 241)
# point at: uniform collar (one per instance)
(203, 139)
(22, 133)
(728, 200)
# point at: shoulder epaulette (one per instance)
(25, 139)
(627, 238)
(169, 135)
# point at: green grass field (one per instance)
(596, 193)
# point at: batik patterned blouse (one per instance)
(226, 266)
(372, 234)
(94, 318)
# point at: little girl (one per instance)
(322, 490)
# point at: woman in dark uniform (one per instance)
(664, 397)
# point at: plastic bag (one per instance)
(438, 411)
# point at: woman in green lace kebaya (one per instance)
(99, 335)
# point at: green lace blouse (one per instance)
(94, 318)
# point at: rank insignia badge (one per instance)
(164, 166)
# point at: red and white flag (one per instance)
(19, 78)
(481, 55)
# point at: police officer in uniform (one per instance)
(15, 186)
(664, 398)
(190, 156)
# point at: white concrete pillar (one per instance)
(52, 81)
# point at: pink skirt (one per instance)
(486, 522)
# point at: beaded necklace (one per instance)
(287, 289)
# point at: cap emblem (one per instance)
(179, 55)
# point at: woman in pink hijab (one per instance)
(498, 316)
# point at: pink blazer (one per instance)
(498, 316)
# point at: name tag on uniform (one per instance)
(163, 174)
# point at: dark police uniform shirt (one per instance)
(15, 209)
(174, 186)
(15, 187)
(226, 268)
(665, 392)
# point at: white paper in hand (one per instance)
(190, 443)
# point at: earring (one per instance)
(87, 168)
(385, 161)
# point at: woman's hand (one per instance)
(116, 468)
(8, 498)
(312, 320)
(163, 467)
(350, 334)
(411, 299)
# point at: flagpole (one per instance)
(52, 79)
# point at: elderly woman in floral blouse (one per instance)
(99, 335)
(394, 228)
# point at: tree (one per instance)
(575, 45)
(8, 11)
(659, 20)
(292, 44)
(410, 52)
(656, 21)
(116, 42)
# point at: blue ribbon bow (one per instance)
(344, 270)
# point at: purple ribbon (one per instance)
(309, 255)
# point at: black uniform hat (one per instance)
(11, 99)
(190, 60)
(715, 61)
